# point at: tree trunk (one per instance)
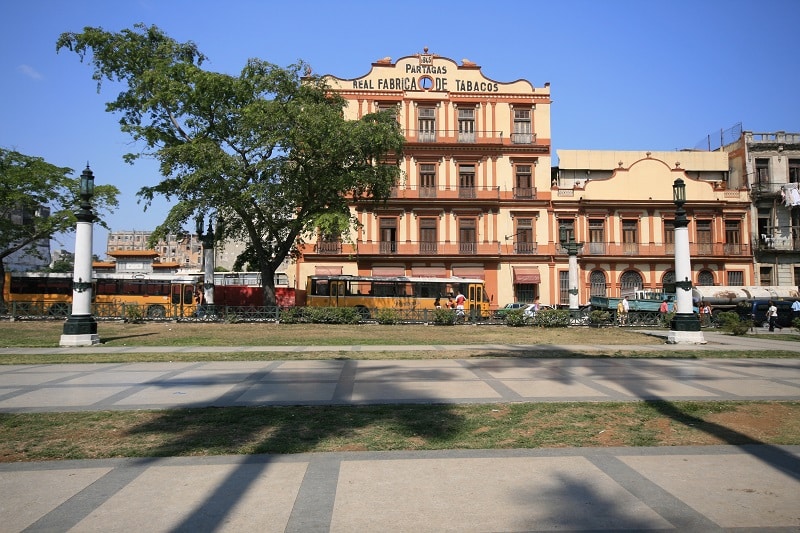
(268, 286)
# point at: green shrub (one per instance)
(600, 317)
(387, 316)
(133, 313)
(444, 317)
(731, 322)
(293, 315)
(552, 318)
(516, 318)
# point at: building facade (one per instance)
(478, 196)
(768, 164)
(476, 178)
(620, 206)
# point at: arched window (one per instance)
(630, 281)
(668, 279)
(597, 283)
(705, 278)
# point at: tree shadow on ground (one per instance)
(199, 430)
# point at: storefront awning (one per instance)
(388, 271)
(328, 271)
(525, 275)
(469, 272)
(429, 272)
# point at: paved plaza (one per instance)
(708, 488)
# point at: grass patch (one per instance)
(288, 430)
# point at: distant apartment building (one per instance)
(768, 164)
(186, 249)
(36, 255)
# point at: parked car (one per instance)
(530, 313)
(503, 311)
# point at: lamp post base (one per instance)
(685, 329)
(80, 330)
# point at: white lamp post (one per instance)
(567, 241)
(80, 329)
(685, 327)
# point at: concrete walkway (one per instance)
(710, 488)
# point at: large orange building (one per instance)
(478, 196)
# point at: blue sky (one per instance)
(624, 74)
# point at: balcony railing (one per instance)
(502, 248)
(613, 249)
(524, 193)
(523, 138)
(328, 247)
(781, 243)
(525, 248)
(467, 137)
(430, 248)
(446, 193)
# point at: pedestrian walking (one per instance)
(772, 316)
(795, 309)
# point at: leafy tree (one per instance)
(265, 153)
(28, 183)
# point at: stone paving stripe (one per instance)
(671, 508)
(313, 508)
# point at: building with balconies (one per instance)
(768, 164)
(479, 196)
(475, 191)
(620, 206)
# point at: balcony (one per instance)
(523, 138)
(328, 247)
(445, 193)
(417, 248)
(525, 248)
(524, 193)
(612, 249)
(458, 136)
(779, 243)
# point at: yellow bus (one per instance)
(155, 295)
(367, 293)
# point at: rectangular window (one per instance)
(794, 171)
(669, 237)
(597, 237)
(466, 125)
(466, 181)
(467, 236)
(427, 181)
(630, 237)
(427, 125)
(563, 285)
(765, 275)
(733, 236)
(735, 277)
(566, 230)
(523, 188)
(762, 171)
(388, 229)
(523, 242)
(704, 242)
(522, 127)
(427, 236)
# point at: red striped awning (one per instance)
(429, 272)
(328, 271)
(469, 272)
(388, 271)
(526, 275)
